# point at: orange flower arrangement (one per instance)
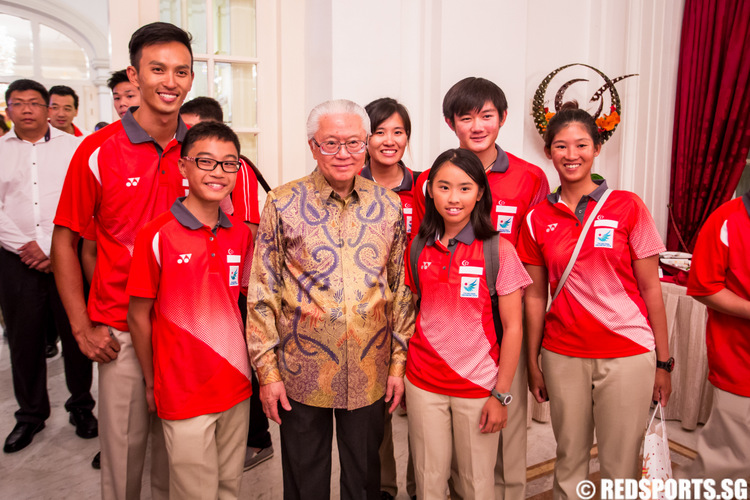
(608, 122)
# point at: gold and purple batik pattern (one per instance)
(328, 311)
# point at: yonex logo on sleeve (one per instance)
(551, 227)
(184, 258)
(132, 181)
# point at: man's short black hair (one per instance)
(470, 94)
(206, 108)
(117, 78)
(209, 130)
(26, 84)
(154, 33)
(64, 90)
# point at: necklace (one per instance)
(489, 166)
(400, 181)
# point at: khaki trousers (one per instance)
(723, 449)
(388, 475)
(207, 454)
(440, 425)
(510, 468)
(610, 396)
(124, 428)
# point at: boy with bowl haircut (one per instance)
(188, 266)
(475, 109)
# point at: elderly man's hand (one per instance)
(270, 396)
(394, 391)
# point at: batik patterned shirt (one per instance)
(328, 311)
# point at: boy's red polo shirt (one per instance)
(245, 195)
(405, 192)
(120, 177)
(516, 186)
(721, 259)
(454, 350)
(201, 363)
(600, 312)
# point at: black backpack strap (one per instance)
(257, 173)
(491, 248)
(415, 175)
(417, 245)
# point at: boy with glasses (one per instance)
(188, 265)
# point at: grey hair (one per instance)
(335, 107)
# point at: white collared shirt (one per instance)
(31, 178)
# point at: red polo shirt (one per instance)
(454, 350)
(405, 191)
(245, 195)
(121, 177)
(516, 186)
(201, 364)
(722, 260)
(600, 312)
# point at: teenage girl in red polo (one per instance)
(458, 377)
(604, 340)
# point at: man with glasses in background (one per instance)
(35, 159)
(329, 314)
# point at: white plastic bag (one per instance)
(657, 463)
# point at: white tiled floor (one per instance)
(57, 464)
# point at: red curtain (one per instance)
(711, 126)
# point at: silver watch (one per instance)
(505, 398)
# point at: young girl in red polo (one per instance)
(458, 375)
(603, 342)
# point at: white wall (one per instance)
(415, 50)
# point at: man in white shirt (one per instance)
(35, 160)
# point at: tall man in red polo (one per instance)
(124, 176)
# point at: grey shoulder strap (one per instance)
(491, 248)
(579, 244)
(417, 245)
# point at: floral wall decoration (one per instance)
(607, 122)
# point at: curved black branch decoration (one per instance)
(539, 111)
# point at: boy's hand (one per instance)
(150, 399)
(270, 396)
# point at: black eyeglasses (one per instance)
(333, 147)
(19, 105)
(209, 164)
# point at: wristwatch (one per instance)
(504, 397)
(666, 365)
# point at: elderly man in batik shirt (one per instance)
(329, 314)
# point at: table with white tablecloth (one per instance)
(692, 395)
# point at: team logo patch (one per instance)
(408, 223)
(184, 258)
(425, 265)
(551, 227)
(504, 224)
(132, 181)
(604, 237)
(469, 287)
(234, 275)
